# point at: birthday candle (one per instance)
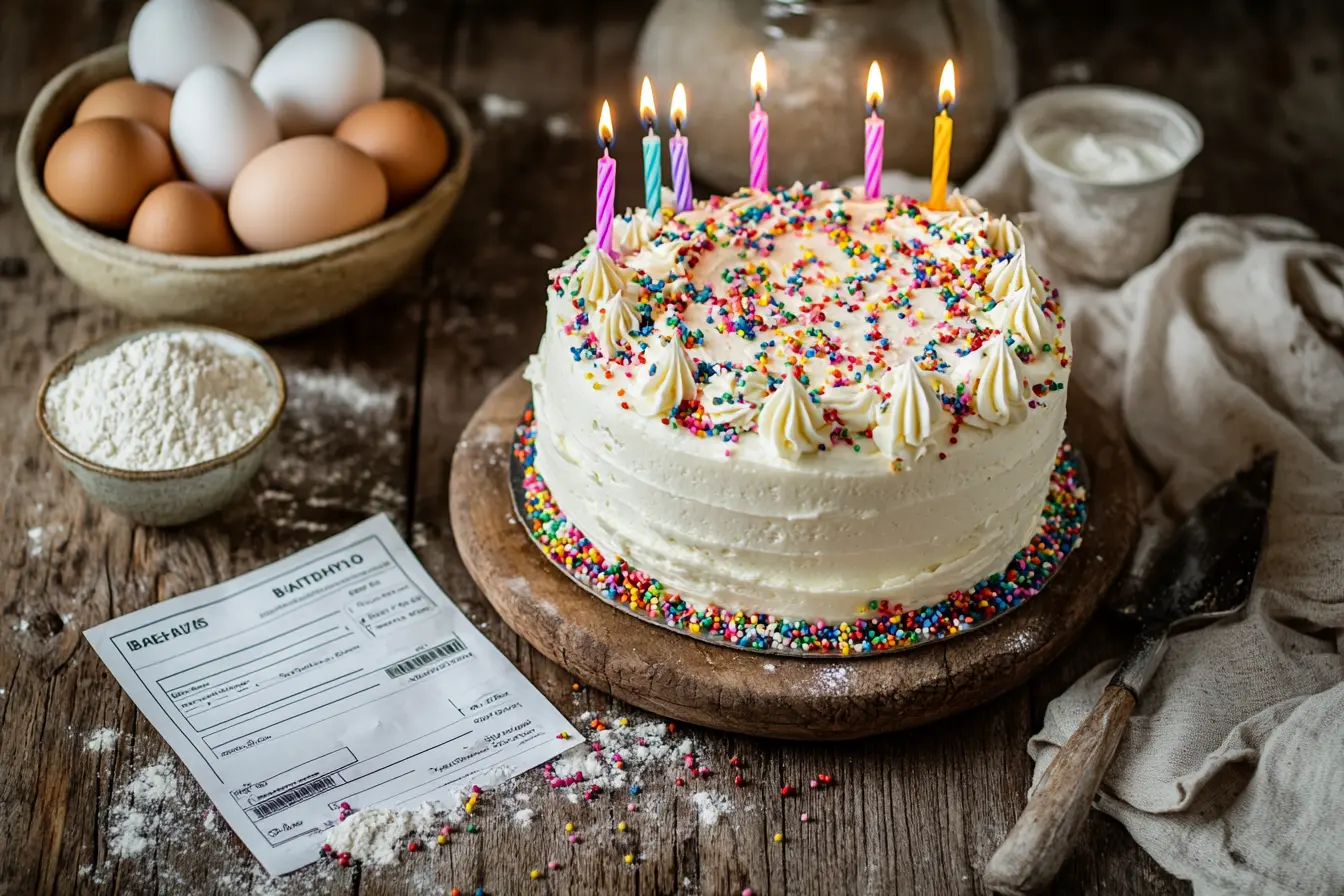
(606, 182)
(942, 138)
(873, 131)
(759, 128)
(653, 151)
(681, 164)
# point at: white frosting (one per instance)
(633, 231)
(1106, 158)
(856, 404)
(617, 316)
(658, 261)
(1000, 395)
(734, 398)
(735, 518)
(600, 277)
(1011, 274)
(1003, 235)
(905, 420)
(790, 423)
(665, 380)
(1020, 315)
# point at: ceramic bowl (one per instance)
(259, 295)
(168, 497)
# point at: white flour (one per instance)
(711, 806)
(143, 807)
(102, 740)
(159, 402)
(380, 836)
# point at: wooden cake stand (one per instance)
(773, 694)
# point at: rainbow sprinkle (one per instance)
(884, 627)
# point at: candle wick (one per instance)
(758, 100)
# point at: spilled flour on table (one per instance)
(102, 740)
(142, 808)
(711, 806)
(380, 836)
(523, 817)
(638, 748)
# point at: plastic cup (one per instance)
(1100, 225)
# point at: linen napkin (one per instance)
(1232, 772)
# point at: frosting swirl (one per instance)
(1003, 235)
(1000, 396)
(1020, 315)
(660, 260)
(666, 379)
(633, 231)
(905, 420)
(617, 316)
(1010, 274)
(856, 404)
(600, 277)
(734, 397)
(790, 423)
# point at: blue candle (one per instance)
(653, 152)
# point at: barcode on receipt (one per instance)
(296, 795)
(433, 654)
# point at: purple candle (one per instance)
(606, 182)
(681, 165)
(759, 128)
(873, 130)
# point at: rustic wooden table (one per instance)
(378, 402)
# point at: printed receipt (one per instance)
(340, 674)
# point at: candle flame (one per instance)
(758, 83)
(678, 104)
(874, 87)
(646, 110)
(947, 86)
(605, 132)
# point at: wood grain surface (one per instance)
(778, 695)
(381, 398)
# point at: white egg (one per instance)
(218, 124)
(318, 74)
(171, 38)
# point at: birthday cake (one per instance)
(803, 405)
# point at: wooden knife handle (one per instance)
(1037, 845)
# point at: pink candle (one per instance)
(759, 129)
(873, 131)
(606, 183)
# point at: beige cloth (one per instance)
(1232, 772)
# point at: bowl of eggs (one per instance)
(186, 176)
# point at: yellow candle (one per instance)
(942, 138)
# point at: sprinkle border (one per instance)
(887, 627)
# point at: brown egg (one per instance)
(182, 218)
(303, 190)
(128, 98)
(99, 170)
(406, 141)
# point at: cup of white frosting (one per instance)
(1104, 163)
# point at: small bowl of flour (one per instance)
(163, 425)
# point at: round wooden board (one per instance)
(775, 695)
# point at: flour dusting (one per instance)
(711, 806)
(102, 740)
(380, 836)
(142, 808)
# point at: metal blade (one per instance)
(1207, 566)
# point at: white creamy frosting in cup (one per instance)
(1105, 157)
